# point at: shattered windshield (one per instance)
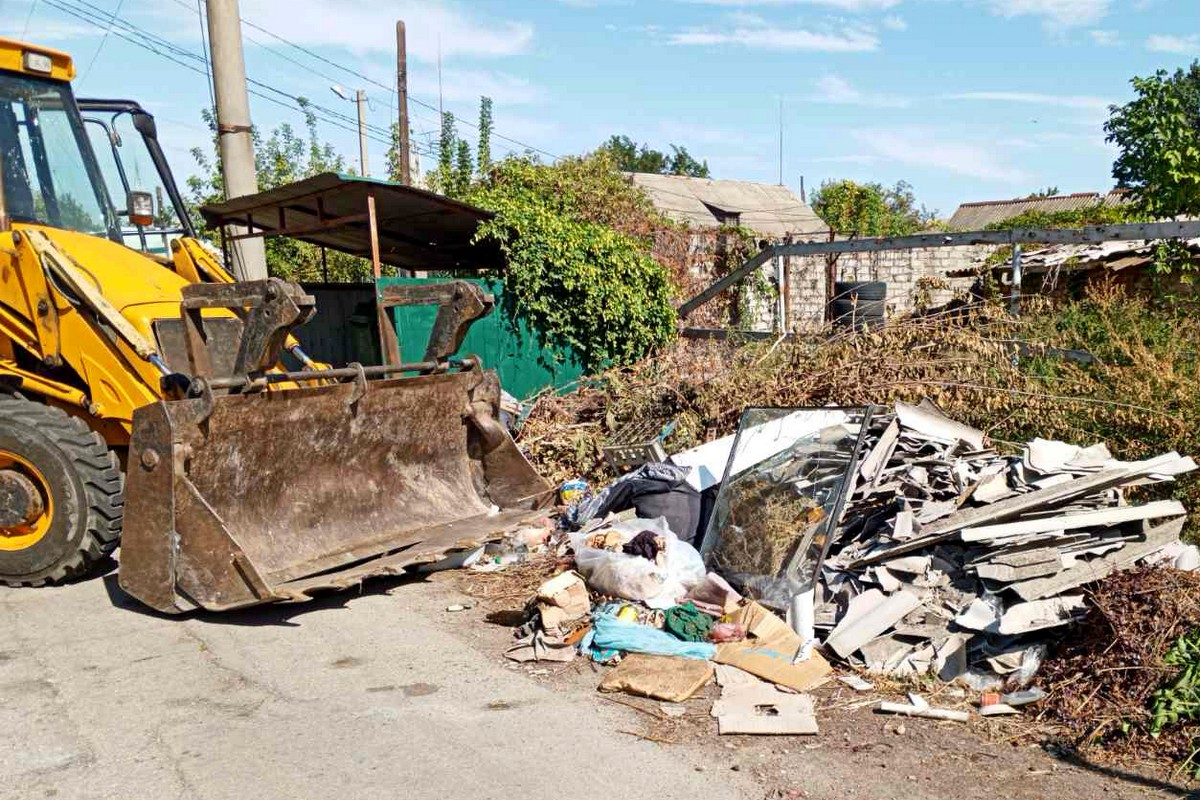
(785, 481)
(48, 172)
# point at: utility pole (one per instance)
(360, 99)
(233, 127)
(405, 175)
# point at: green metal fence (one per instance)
(503, 339)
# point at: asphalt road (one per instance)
(367, 696)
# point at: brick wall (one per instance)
(902, 270)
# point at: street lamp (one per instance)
(360, 100)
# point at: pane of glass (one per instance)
(786, 477)
(46, 178)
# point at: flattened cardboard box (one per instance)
(769, 650)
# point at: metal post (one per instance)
(233, 126)
(360, 99)
(1015, 297)
(405, 175)
(389, 346)
(780, 294)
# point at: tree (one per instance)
(1158, 135)
(284, 157)
(632, 157)
(483, 151)
(870, 209)
(1041, 194)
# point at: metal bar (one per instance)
(337, 374)
(1015, 296)
(296, 230)
(389, 344)
(756, 261)
(1088, 235)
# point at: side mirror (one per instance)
(140, 208)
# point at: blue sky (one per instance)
(964, 99)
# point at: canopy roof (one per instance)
(418, 230)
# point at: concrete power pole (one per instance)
(360, 100)
(233, 126)
(405, 175)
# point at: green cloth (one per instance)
(689, 623)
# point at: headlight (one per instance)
(140, 208)
(38, 62)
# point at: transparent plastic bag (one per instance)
(634, 577)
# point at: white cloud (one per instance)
(1054, 13)
(844, 5)
(771, 38)
(837, 90)
(1167, 43)
(364, 26)
(923, 147)
(857, 158)
(894, 22)
(1034, 98)
(1105, 38)
(466, 85)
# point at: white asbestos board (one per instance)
(757, 444)
(1026, 617)
(1066, 522)
(851, 634)
(928, 419)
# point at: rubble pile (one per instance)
(953, 559)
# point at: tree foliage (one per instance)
(870, 209)
(577, 278)
(629, 156)
(285, 156)
(1158, 135)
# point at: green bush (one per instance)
(570, 272)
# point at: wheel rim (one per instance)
(28, 534)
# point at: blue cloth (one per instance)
(610, 633)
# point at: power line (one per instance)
(103, 38)
(146, 40)
(383, 86)
(33, 7)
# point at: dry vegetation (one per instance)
(1142, 397)
(1102, 679)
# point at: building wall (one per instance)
(902, 270)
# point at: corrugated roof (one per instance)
(417, 229)
(1113, 256)
(769, 209)
(977, 216)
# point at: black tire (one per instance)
(86, 486)
(863, 290)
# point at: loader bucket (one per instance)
(238, 499)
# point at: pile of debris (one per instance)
(953, 559)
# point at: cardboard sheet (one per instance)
(661, 677)
(769, 650)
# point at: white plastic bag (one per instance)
(636, 578)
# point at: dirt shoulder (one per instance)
(858, 753)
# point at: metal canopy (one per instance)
(417, 230)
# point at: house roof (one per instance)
(417, 229)
(768, 209)
(1112, 256)
(977, 216)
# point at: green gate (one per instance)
(503, 339)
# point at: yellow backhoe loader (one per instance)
(144, 400)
